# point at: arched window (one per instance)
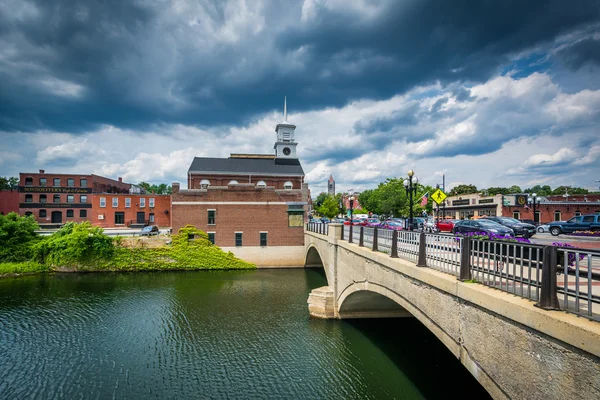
(288, 185)
(557, 215)
(233, 182)
(261, 184)
(204, 183)
(29, 181)
(577, 213)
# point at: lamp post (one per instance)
(341, 206)
(534, 202)
(351, 201)
(410, 185)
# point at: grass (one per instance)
(26, 267)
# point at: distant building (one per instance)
(331, 186)
(254, 205)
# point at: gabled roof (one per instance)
(245, 166)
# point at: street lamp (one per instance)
(534, 202)
(410, 185)
(351, 201)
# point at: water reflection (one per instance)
(238, 334)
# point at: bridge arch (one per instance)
(378, 295)
(314, 259)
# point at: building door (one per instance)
(141, 217)
(57, 217)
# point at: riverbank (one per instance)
(80, 248)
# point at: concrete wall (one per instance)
(514, 349)
(270, 256)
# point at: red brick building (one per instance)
(254, 205)
(9, 201)
(114, 210)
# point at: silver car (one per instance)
(543, 228)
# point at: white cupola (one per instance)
(285, 146)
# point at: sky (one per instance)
(490, 93)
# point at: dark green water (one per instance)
(208, 335)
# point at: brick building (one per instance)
(9, 201)
(254, 205)
(54, 199)
(132, 210)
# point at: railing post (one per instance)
(375, 248)
(342, 238)
(394, 252)
(465, 259)
(422, 261)
(350, 234)
(361, 237)
(548, 288)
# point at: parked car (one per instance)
(324, 220)
(430, 225)
(528, 221)
(371, 222)
(520, 228)
(389, 224)
(589, 222)
(543, 228)
(149, 230)
(355, 222)
(482, 225)
(445, 225)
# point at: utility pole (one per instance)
(444, 190)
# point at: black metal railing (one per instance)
(554, 277)
(318, 227)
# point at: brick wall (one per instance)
(223, 180)
(105, 216)
(547, 211)
(9, 201)
(244, 216)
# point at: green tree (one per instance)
(330, 207)
(540, 190)
(492, 191)
(320, 199)
(8, 183)
(17, 235)
(463, 189)
(162, 188)
(514, 189)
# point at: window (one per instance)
(69, 213)
(238, 239)
(296, 219)
(557, 215)
(263, 238)
(211, 237)
(83, 199)
(70, 198)
(516, 215)
(43, 198)
(28, 198)
(102, 201)
(43, 214)
(288, 185)
(211, 217)
(115, 202)
(473, 201)
(151, 202)
(261, 184)
(83, 183)
(537, 216)
(43, 182)
(588, 218)
(119, 218)
(204, 183)
(151, 218)
(577, 213)
(29, 181)
(56, 198)
(143, 202)
(127, 202)
(28, 213)
(83, 213)
(56, 182)
(70, 182)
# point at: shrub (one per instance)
(17, 234)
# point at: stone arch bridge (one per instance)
(513, 348)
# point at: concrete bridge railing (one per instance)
(513, 348)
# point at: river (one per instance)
(208, 335)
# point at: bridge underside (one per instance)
(313, 259)
(367, 304)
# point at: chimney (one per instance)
(42, 171)
(120, 179)
(175, 187)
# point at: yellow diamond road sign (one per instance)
(438, 196)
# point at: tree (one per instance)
(17, 234)
(330, 207)
(540, 190)
(514, 189)
(492, 191)
(320, 199)
(462, 189)
(8, 183)
(162, 188)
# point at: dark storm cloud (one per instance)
(136, 63)
(581, 53)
